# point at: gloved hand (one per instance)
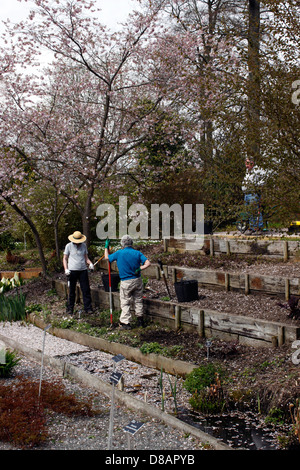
(91, 266)
(67, 272)
(107, 243)
(137, 271)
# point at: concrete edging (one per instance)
(171, 366)
(67, 369)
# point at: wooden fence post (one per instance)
(287, 289)
(285, 251)
(177, 317)
(211, 247)
(227, 282)
(201, 329)
(247, 284)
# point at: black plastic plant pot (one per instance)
(115, 279)
(187, 290)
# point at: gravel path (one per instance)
(83, 433)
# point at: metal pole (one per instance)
(111, 415)
(111, 419)
(42, 362)
(128, 441)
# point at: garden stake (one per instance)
(163, 275)
(42, 363)
(110, 293)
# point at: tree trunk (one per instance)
(34, 231)
(253, 112)
(86, 216)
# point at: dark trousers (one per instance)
(83, 278)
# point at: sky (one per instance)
(113, 11)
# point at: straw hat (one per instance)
(77, 237)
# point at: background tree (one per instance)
(77, 124)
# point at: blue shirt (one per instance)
(128, 261)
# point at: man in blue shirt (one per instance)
(130, 263)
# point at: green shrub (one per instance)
(148, 348)
(11, 360)
(202, 377)
(12, 308)
(7, 242)
(206, 403)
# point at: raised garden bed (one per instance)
(207, 322)
(248, 283)
(283, 249)
(27, 273)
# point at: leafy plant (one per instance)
(33, 308)
(201, 377)
(209, 400)
(275, 416)
(148, 348)
(11, 360)
(8, 284)
(12, 308)
(173, 388)
(162, 390)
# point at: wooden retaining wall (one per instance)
(239, 282)
(28, 273)
(208, 323)
(283, 249)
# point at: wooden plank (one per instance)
(274, 248)
(256, 283)
(217, 323)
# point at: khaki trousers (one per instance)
(131, 291)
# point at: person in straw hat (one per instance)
(75, 262)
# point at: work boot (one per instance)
(124, 326)
(90, 311)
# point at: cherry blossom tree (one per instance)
(77, 122)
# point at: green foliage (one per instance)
(275, 416)
(11, 360)
(201, 377)
(156, 348)
(206, 403)
(8, 284)
(12, 308)
(148, 348)
(33, 308)
(7, 242)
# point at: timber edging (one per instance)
(247, 283)
(250, 246)
(208, 323)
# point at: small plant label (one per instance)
(115, 377)
(133, 427)
(118, 358)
